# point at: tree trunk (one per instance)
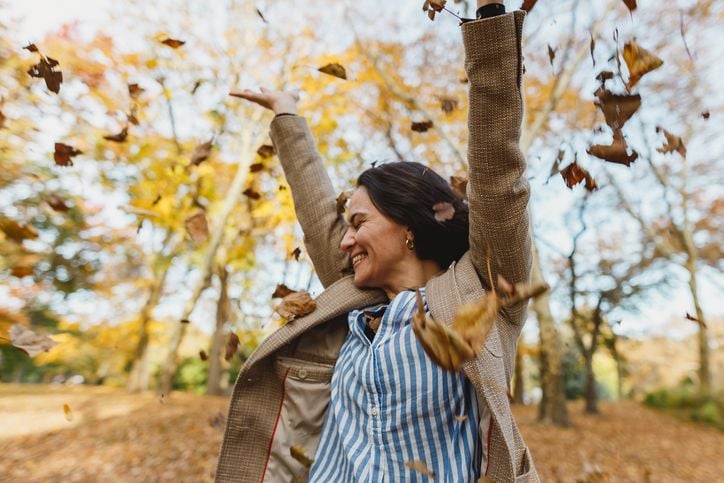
(591, 393)
(213, 382)
(704, 371)
(138, 379)
(519, 383)
(552, 406)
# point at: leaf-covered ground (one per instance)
(114, 436)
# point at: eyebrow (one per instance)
(354, 217)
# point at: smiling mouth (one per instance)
(358, 258)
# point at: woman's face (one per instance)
(375, 243)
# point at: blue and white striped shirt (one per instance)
(392, 405)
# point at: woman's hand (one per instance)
(278, 101)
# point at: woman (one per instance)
(348, 386)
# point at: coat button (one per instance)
(302, 374)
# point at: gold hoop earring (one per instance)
(409, 243)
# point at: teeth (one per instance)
(358, 258)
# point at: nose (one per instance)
(347, 241)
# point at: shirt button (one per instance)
(375, 412)
(302, 374)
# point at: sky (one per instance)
(658, 316)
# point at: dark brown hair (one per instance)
(406, 192)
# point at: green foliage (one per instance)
(687, 402)
(191, 375)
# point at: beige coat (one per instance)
(283, 390)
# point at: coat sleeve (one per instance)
(498, 189)
(314, 196)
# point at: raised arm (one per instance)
(314, 196)
(498, 190)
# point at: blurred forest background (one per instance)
(145, 221)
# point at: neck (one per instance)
(412, 277)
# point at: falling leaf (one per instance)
(251, 194)
(551, 54)
(295, 305)
(173, 43)
(639, 62)
(691, 317)
(592, 48)
(705, 114)
(432, 7)
(256, 167)
(118, 138)
(616, 152)
(203, 356)
(460, 185)
(196, 86)
(131, 116)
(197, 227)
(300, 454)
(334, 69)
(574, 174)
(56, 202)
(232, 344)
(28, 341)
(282, 291)
(63, 154)
(444, 211)
(422, 126)
(202, 152)
(185, 321)
(604, 75)
(617, 108)
(673, 143)
(134, 90)
(47, 69)
(261, 15)
(266, 151)
(2, 119)
(556, 167)
(16, 231)
(420, 467)
(342, 201)
(68, 413)
(631, 4)
(528, 5)
(296, 252)
(448, 104)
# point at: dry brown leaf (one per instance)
(47, 69)
(197, 227)
(617, 108)
(17, 232)
(296, 252)
(134, 90)
(551, 54)
(422, 126)
(56, 202)
(295, 305)
(460, 185)
(444, 211)
(616, 152)
(251, 193)
(300, 454)
(67, 412)
(342, 201)
(334, 69)
(282, 291)
(673, 143)
(256, 167)
(421, 468)
(173, 43)
(2, 119)
(63, 154)
(119, 137)
(232, 344)
(574, 174)
(432, 7)
(639, 62)
(202, 152)
(266, 151)
(705, 114)
(631, 4)
(28, 341)
(202, 355)
(528, 5)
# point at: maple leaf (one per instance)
(202, 152)
(296, 252)
(334, 69)
(295, 305)
(119, 137)
(282, 291)
(28, 341)
(342, 201)
(460, 185)
(67, 412)
(232, 344)
(673, 143)
(63, 154)
(266, 151)
(639, 62)
(197, 227)
(420, 467)
(251, 193)
(47, 69)
(444, 211)
(173, 43)
(617, 108)
(574, 174)
(300, 454)
(616, 152)
(631, 4)
(528, 5)
(422, 126)
(203, 356)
